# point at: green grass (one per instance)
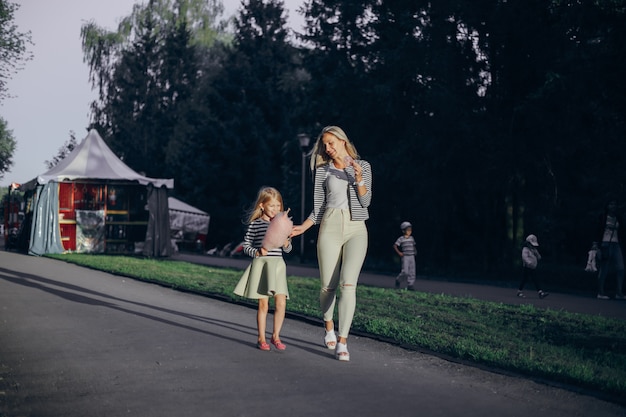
(583, 351)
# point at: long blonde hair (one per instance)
(264, 195)
(318, 153)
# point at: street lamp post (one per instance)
(304, 140)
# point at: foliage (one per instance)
(483, 121)
(257, 102)
(580, 350)
(7, 147)
(145, 72)
(13, 46)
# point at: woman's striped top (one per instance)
(358, 204)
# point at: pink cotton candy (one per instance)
(348, 160)
(278, 231)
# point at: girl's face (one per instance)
(334, 147)
(270, 208)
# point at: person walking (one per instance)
(593, 258)
(611, 257)
(266, 276)
(342, 193)
(530, 261)
(405, 248)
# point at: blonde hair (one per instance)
(318, 153)
(264, 195)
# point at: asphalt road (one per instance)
(78, 342)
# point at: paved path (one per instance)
(78, 342)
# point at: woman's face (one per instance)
(334, 147)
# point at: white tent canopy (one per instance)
(186, 218)
(177, 205)
(93, 159)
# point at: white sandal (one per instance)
(341, 352)
(330, 339)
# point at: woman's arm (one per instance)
(298, 230)
(364, 192)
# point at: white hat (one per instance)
(405, 225)
(532, 239)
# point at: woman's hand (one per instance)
(298, 230)
(358, 171)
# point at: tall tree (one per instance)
(7, 147)
(257, 98)
(143, 70)
(13, 46)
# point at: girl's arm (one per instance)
(248, 249)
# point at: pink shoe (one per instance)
(278, 344)
(263, 345)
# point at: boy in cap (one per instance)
(405, 248)
(530, 260)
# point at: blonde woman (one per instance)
(341, 197)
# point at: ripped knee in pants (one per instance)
(328, 290)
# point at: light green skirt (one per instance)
(265, 277)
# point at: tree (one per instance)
(7, 147)
(257, 107)
(403, 78)
(102, 49)
(144, 72)
(13, 46)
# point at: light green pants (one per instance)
(341, 249)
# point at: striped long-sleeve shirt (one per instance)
(253, 240)
(358, 203)
(406, 245)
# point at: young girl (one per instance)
(266, 276)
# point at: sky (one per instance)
(52, 93)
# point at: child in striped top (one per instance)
(405, 248)
(266, 276)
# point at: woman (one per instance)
(341, 197)
(611, 235)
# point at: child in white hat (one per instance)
(405, 248)
(530, 261)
